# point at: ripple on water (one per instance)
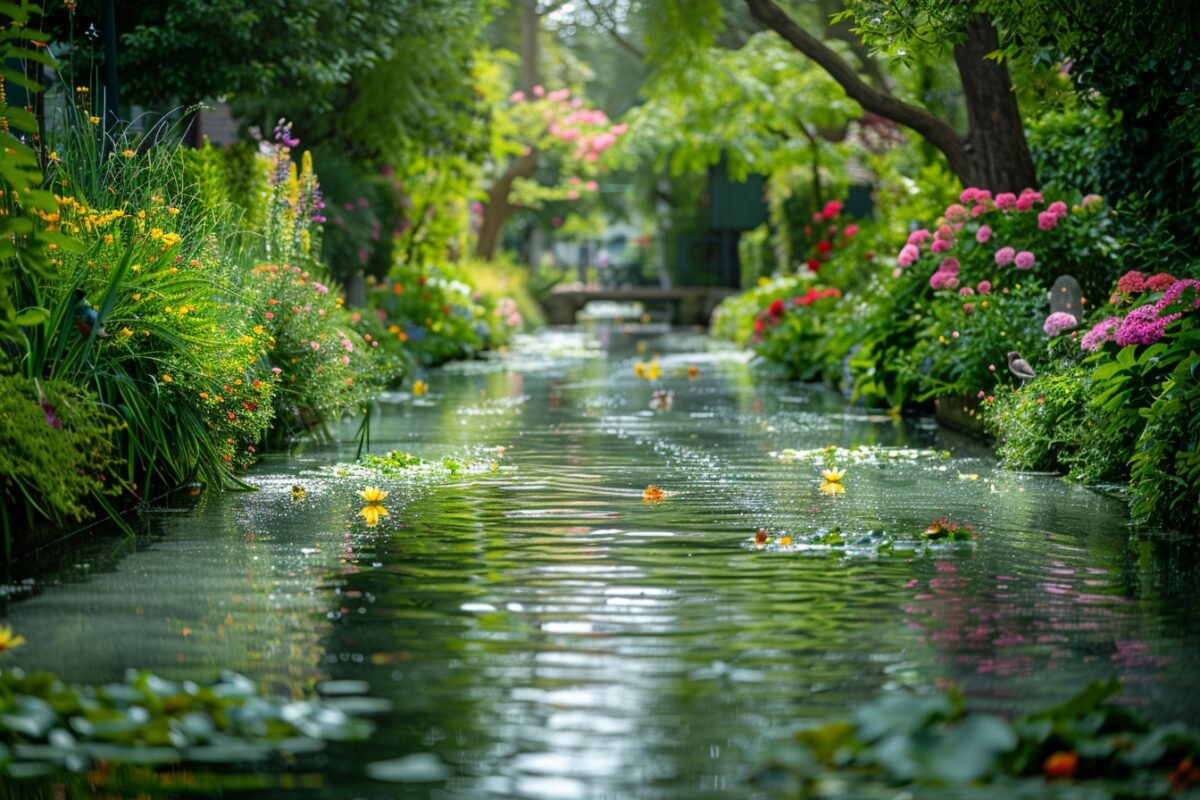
(550, 635)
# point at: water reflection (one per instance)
(550, 635)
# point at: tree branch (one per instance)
(606, 22)
(938, 132)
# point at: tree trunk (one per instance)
(497, 209)
(998, 155)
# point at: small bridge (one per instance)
(685, 305)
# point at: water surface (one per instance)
(549, 635)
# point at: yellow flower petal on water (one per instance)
(372, 495)
(833, 475)
(653, 370)
(653, 494)
(419, 388)
(8, 640)
(785, 540)
(372, 513)
(829, 487)
(297, 489)
(639, 369)
(968, 476)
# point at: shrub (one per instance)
(56, 454)
(940, 329)
(791, 333)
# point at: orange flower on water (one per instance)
(761, 537)
(785, 540)
(693, 372)
(653, 494)
(1061, 765)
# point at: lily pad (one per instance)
(414, 768)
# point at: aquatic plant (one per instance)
(930, 740)
(48, 727)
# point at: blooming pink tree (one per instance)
(535, 128)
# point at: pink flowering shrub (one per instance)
(981, 237)
(1153, 303)
(976, 278)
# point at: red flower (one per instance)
(823, 247)
(759, 327)
(832, 208)
(813, 264)
(776, 308)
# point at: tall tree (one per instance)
(992, 154)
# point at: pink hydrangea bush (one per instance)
(987, 236)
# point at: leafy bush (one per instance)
(150, 312)
(791, 333)
(941, 331)
(430, 310)
(56, 453)
(1125, 406)
(734, 318)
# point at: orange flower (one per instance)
(760, 537)
(1062, 764)
(167, 379)
(653, 494)
(692, 372)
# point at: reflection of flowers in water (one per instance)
(371, 514)
(832, 481)
(374, 509)
(662, 400)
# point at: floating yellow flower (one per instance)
(8, 640)
(641, 347)
(653, 370)
(785, 540)
(833, 475)
(297, 491)
(419, 388)
(653, 494)
(639, 369)
(372, 496)
(372, 513)
(829, 487)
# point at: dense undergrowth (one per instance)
(165, 313)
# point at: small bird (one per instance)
(1020, 367)
(86, 317)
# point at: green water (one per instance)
(548, 634)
